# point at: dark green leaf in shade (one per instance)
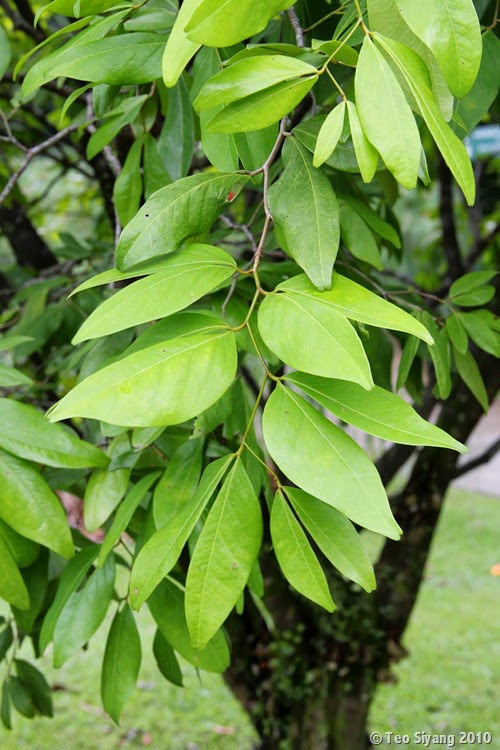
(176, 140)
(5, 705)
(471, 375)
(457, 333)
(166, 660)
(408, 355)
(103, 492)
(179, 482)
(12, 587)
(358, 238)
(127, 189)
(36, 685)
(121, 663)
(155, 175)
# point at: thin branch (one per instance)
(483, 458)
(297, 28)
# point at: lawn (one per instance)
(449, 683)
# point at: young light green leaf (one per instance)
(305, 209)
(221, 24)
(313, 337)
(83, 612)
(176, 140)
(223, 557)
(329, 134)
(457, 333)
(178, 484)
(335, 536)
(71, 577)
(471, 375)
(358, 303)
(450, 28)
(166, 660)
(30, 507)
(160, 553)
(366, 154)
(249, 76)
(167, 607)
(164, 384)
(385, 115)
(261, 109)
(298, 562)
(358, 238)
(184, 278)
(103, 492)
(174, 214)
(377, 411)
(38, 686)
(27, 433)
(321, 459)
(121, 663)
(127, 189)
(113, 274)
(179, 49)
(12, 587)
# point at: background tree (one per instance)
(258, 187)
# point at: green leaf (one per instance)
(374, 221)
(27, 433)
(5, 52)
(23, 550)
(10, 377)
(479, 325)
(473, 107)
(184, 278)
(329, 134)
(322, 460)
(337, 50)
(159, 555)
(335, 536)
(121, 663)
(179, 49)
(305, 209)
(174, 214)
(83, 612)
(377, 411)
(155, 175)
(471, 375)
(295, 556)
(221, 24)
(75, 9)
(176, 141)
(35, 579)
(440, 355)
(37, 686)
(21, 698)
(12, 586)
(30, 507)
(124, 514)
(479, 296)
(164, 384)
(358, 238)
(313, 337)
(457, 333)
(407, 358)
(249, 76)
(5, 706)
(469, 282)
(115, 122)
(385, 115)
(178, 484)
(6, 640)
(166, 660)
(366, 155)
(113, 274)
(261, 109)
(416, 76)
(254, 147)
(10, 341)
(103, 492)
(127, 189)
(358, 303)
(72, 576)
(450, 28)
(223, 557)
(167, 607)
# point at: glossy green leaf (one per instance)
(71, 578)
(10, 377)
(166, 660)
(221, 24)
(450, 28)
(249, 76)
(298, 562)
(184, 278)
(167, 607)
(416, 76)
(27, 433)
(178, 484)
(335, 536)
(329, 134)
(479, 325)
(12, 586)
(457, 333)
(471, 375)
(103, 492)
(261, 109)
(127, 189)
(83, 612)
(121, 663)
(385, 115)
(163, 384)
(174, 214)
(366, 154)
(113, 275)
(313, 337)
(358, 238)
(358, 303)
(155, 175)
(124, 514)
(223, 557)
(30, 507)
(159, 555)
(176, 140)
(377, 411)
(322, 460)
(305, 209)
(179, 49)
(37, 685)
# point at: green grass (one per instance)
(449, 683)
